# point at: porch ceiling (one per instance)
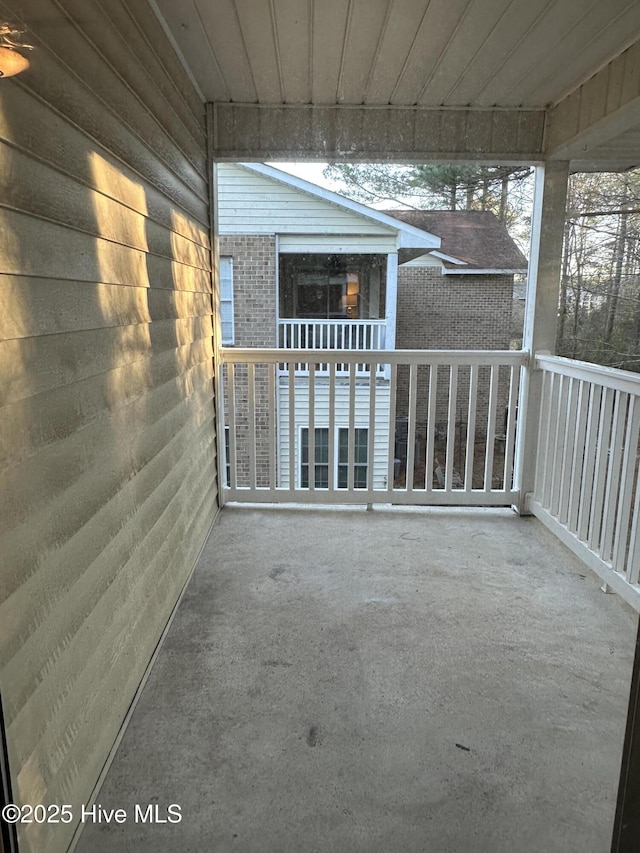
(510, 55)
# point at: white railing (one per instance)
(350, 335)
(587, 489)
(331, 334)
(440, 430)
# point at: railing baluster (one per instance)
(272, 411)
(431, 426)
(371, 449)
(312, 427)
(558, 445)
(602, 461)
(411, 427)
(589, 464)
(391, 459)
(233, 480)
(332, 432)
(578, 455)
(251, 426)
(293, 438)
(545, 447)
(471, 428)
(613, 475)
(626, 484)
(567, 452)
(510, 438)
(451, 426)
(351, 435)
(491, 429)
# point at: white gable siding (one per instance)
(423, 261)
(357, 244)
(249, 203)
(341, 419)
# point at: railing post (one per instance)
(541, 312)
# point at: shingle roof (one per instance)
(474, 236)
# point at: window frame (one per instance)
(340, 468)
(227, 260)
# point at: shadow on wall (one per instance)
(105, 452)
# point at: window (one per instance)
(321, 466)
(226, 300)
(325, 287)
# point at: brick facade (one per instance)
(254, 288)
(254, 309)
(452, 312)
(435, 311)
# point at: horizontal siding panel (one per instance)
(126, 64)
(40, 364)
(190, 110)
(42, 306)
(59, 251)
(249, 203)
(26, 123)
(295, 243)
(84, 473)
(107, 437)
(70, 75)
(35, 422)
(144, 20)
(125, 626)
(41, 601)
(30, 186)
(33, 128)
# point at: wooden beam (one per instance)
(393, 134)
(604, 107)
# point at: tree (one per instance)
(452, 186)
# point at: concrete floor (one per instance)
(378, 682)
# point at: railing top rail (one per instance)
(309, 321)
(234, 355)
(608, 377)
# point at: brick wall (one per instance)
(452, 312)
(254, 288)
(254, 309)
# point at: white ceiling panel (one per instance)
(452, 54)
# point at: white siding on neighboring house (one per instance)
(341, 419)
(423, 261)
(249, 203)
(319, 244)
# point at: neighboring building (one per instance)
(304, 268)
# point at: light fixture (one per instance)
(12, 62)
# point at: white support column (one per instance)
(541, 311)
(391, 300)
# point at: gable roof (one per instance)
(476, 237)
(408, 234)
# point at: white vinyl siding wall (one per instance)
(249, 203)
(379, 470)
(107, 436)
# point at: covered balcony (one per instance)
(419, 665)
